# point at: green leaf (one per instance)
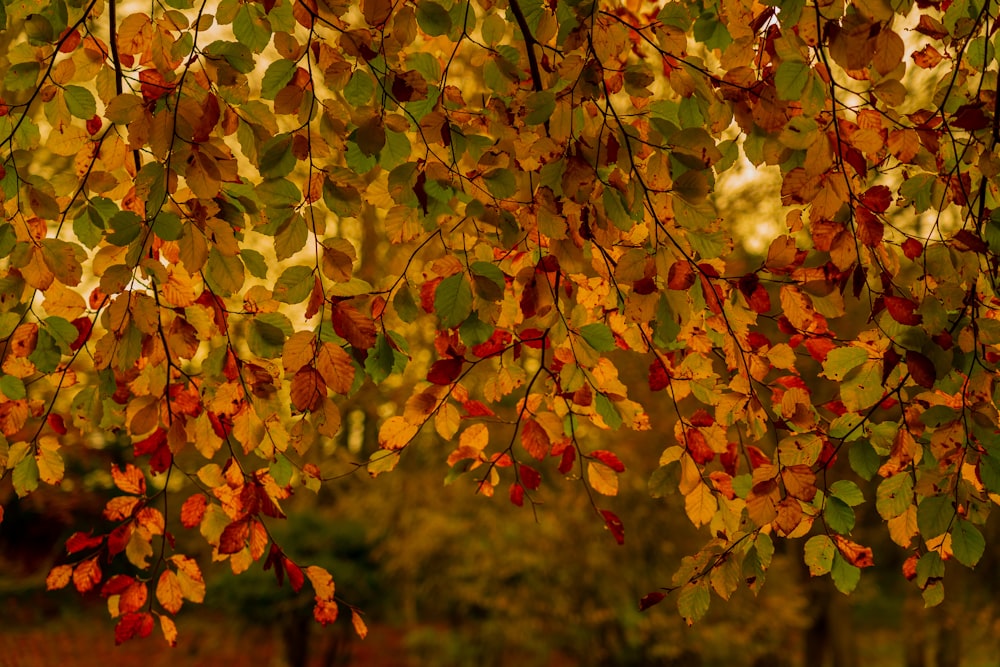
(22, 76)
(848, 492)
(224, 274)
(80, 102)
(239, 57)
(501, 183)
(791, 79)
(276, 159)
(838, 515)
(541, 105)
(599, 336)
(845, 576)
(894, 495)
(12, 387)
(404, 305)
(606, 409)
(819, 554)
(842, 360)
(474, 331)
(930, 566)
(864, 459)
(255, 263)
(25, 476)
(359, 89)
(453, 300)
(277, 76)
(291, 238)
(251, 28)
(379, 362)
(126, 225)
(432, 18)
(294, 285)
(664, 480)
(934, 515)
(267, 334)
(967, 542)
(694, 600)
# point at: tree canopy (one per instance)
(226, 223)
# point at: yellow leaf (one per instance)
(67, 140)
(700, 505)
(189, 578)
(50, 462)
(61, 301)
(169, 629)
(902, 528)
(168, 592)
(179, 289)
(396, 433)
(603, 479)
(321, 582)
(447, 421)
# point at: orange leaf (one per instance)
(854, 553)
(308, 389)
(133, 624)
(130, 479)
(58, 577)
(336, 367)
(325, 611)
(168, 592)
(359, 624)
(535, 439)
(396, 433)
(87, 575)
(193, 510)
(603, 479)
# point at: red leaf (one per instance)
(615, 525)
(971, 117)
(517, 494)
(912, 248)
(530, 477)
(966, 240)
(701, 418)
(352, 325)
(153, 85)
(83, 326)
(877, 198)
(698, 448)
(890, 360)
(903, 310)
(150, 444)
(94, 125)
(731, 459)
(116, 585)
(609, 459)
(870, 228)
(910, 567)
(921, 369)
(497, 343)
(658, 377)
(757, 457)
(680, 276)
(295, 576)
(760, 301)
(79, 541)
(234, 537)
(56, 423)
(445, 371)
(651, 599)
(133, 624)
(567, 460)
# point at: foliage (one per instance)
(223, 223)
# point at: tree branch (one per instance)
(529, 43)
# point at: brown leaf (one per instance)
(921, 369)
(854, 553)
(308, 389)
(352, 325)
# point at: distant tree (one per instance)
(223, 222)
